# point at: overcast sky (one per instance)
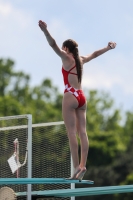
(91, 23)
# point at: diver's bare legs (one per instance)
(70, 115)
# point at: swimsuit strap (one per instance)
(71, 70)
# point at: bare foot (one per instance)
(81, 174)
(76, 171)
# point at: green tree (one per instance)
(106, 135)
(17, 97)
(6, 73)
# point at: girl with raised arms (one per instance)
(74, 101)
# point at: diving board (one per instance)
(11, 181)
(82, 191)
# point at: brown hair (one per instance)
(73, 48)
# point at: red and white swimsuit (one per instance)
(79, 95)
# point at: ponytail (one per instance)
(78, 63)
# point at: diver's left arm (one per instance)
(85, 59)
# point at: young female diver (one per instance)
(74, 101)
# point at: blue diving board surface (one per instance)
(9, 181)
(82, 191)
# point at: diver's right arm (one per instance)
(51, 40)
